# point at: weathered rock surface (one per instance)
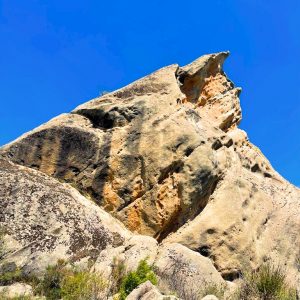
(166, 157)
(45, 220)
(185, 271)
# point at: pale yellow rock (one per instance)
(184, 271)
(166, 157)
(210, 297)
(147, 291)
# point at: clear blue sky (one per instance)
(57, 54)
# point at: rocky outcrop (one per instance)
(144, 152)
(165, 156)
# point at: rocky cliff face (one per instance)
(164, 155)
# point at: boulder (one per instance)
(210, 297)
(147, 291)
(16, 290)
(185, 271)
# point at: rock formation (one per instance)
(163, 155)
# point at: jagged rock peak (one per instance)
(200, 82)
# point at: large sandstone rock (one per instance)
(45, 220)
(166, 157)
(142, 152)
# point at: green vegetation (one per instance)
(50, 285)
(4, 297)
(267, 283)
(83, 285)
(133, 279)
(62, 281)
(9, 273)
(117, 275)
(69, 283)
(10, 276)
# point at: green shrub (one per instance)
(50, 284)
(69, 283)
(133, 279)
(3, 296)
(65, 282)
(267, 283)
(9, 277)
(117, 274)
(83, 285)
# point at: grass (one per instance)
(212, 289)
(267, 283)
(69, 283)
(10, 277)
(3, 296)
(297, 261)
(117, 275)
(83, 285)
(62, 281)
(50, 285)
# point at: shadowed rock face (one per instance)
(166, 157)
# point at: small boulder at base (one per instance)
(16, 290)
(147, 291)
(210, 297)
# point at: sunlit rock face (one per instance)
(165, 156)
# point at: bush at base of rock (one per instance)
(62, 281)
(133, 279)
(269, 282)
(70, 283)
